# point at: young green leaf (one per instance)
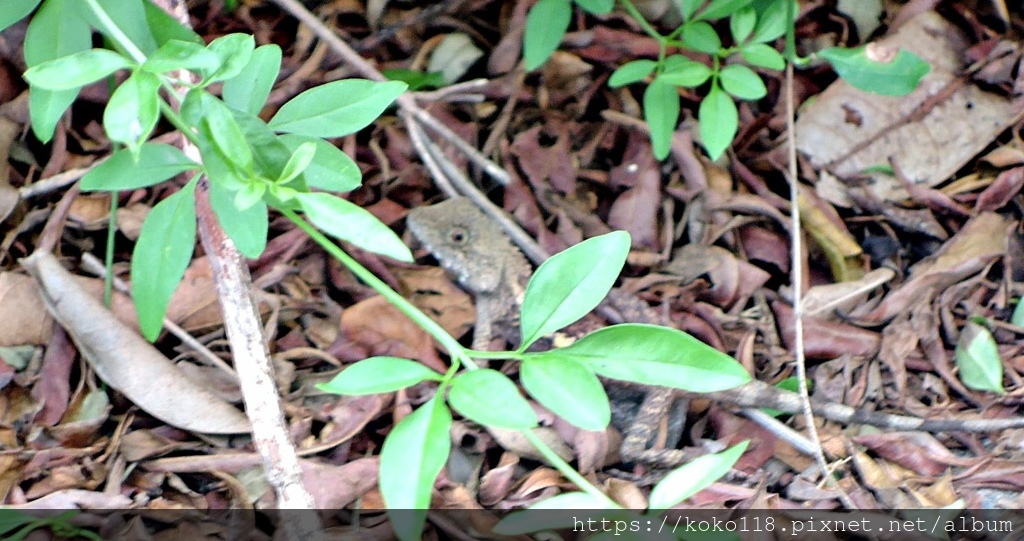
(247, 228)
(570, 284)
(51, 34)
(896, 77)
(763, 56)
(681, 71)
(352, 223)
(546, 23)
(378, 375)
(331, 169)
(417, 80)
(161, 255)
(156, 163)
(719, 121)
(15, 10)
(569, 389)
(13, 518)
(133, 109)
(597, 7)
(249, 195)
(654, 355)
(76, 70)
(235, 51)
(631, 72)
(661, 111)
(300, 159)
(410, 459)
(218, 125)
(741, 24)
(694, 477)
(336, 109)
(248, 91)
(488, 397)
(176, 54)
(718, 9)
(701, 36)
(977, 356)
(742, 82)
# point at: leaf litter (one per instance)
(902, 264)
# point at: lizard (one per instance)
(473, 248)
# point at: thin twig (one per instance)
(797, 279)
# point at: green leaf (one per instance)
(249, 195)
(76, 70)
(701, 36)
(981, 367)
(129, 18)
(235, 51)
(15, 10)
(570, 284)
(218, 125)
(176, 54)
(247, 228)
(248, 91)
(896, 77)
(771, 22)
(165, 28)
(52, 33)
(529, 521)
(719, 121)
(161, 256)
(596, 7)
(12, 518)
(791, 384)
(417, 80)
(742, 82)
(410, 459)
(694, 477)
(688, 7)
(631, 72)
(654, 355)
(681, 71)
(156, 163)
(489, 398)
(569, 389)
(763, 55)
(546, 23)
(300, 159)
(351, 223)
(718, 9)
(133, 109)
(379, 375)
(661, 110)
(336, 109)
(331, 169)
(741, 24)
(1018, 313)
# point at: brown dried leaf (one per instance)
(125, 361)
(918, 451)
(377, 325)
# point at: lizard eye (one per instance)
(458, 235)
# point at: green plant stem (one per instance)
(458, 353)
(108, 255)
(566, 470)
(450, 344)
(646, 26)
(115, 33)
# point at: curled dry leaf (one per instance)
(125, 361)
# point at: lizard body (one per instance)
(484, 261)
